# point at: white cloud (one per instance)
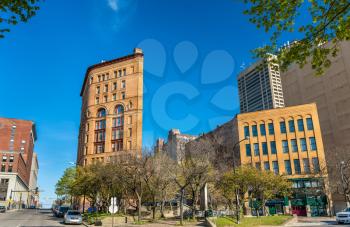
(113, 4)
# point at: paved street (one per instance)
(314, 221)
(29, 218)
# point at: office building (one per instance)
(111, 113)
(287, 141)
(331, 93)
(260, 87)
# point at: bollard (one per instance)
(126, 219)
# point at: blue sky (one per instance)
(193, 52)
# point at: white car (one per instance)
(344, 216)
(73, 217)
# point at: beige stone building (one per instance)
(111, 113)
(331, 92)
(287, 141)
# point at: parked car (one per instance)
(55, 210)
(62, 211)
(73, 217)
(2, 209)
(344, 216)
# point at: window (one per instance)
(116, 122)
(100, 136)
(119, 109)
(115, 74)
(130, 132)
(285, 146)
(123, 95)
(132, 69)
(248, 151)
(254, 130)
(294, 145)
(99, 78)
(283, 127)
(117, 146)
(271, 129)
(91, 80)
(266, 166)
(258, 165)
(315, 165)
(262, 129)
(9, 169)
(264, 148)
(11, 158)
(3, 167)
(306, 164)
(313, 146)
(103, 77)
(287, 167)
(256, 149)
(101, 113)
(86, 138)
(129, 145)
(114, 96)
(297, 166)
(117, 134)
(115, 86)
(97, 100)
(124, 72)
(98, 90)
(119, 73)
(85, 150)
(4, 158)
(291, 126)
(273, 147)
(303, 144)
(310, 125)
(106, 88)
(300, 125)
(275, 167)
(105, 98)
(100, 124)
(123, 84)
(99, 148)
(246, 131)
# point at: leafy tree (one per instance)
(14, 11)
(65, 185)
(326, 21)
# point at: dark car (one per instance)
(2, 209)
(62, 211)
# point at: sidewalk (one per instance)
(312, 221)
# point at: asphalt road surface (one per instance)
(29, 218)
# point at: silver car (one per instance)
(73, 217)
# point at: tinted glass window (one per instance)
(262, 129)
(310, 125)
(291, 126)
(300, 125)
(283, 127)
(254, 130)
(271, 129)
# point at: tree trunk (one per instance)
(194, 203)
(181, 207)
(154, 208)
(138, 208)
(162, 209)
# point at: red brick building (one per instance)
(17, 139)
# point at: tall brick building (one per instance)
(111, 113)
(17, 138)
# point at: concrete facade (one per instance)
(260, 87)
(176, 143)
(111, 113)
(33, 181)
(331, 92)
(16, 153)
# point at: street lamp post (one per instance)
(234, 170)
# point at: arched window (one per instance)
(101, 113)
(119, 109)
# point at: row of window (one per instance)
(4, 158)
(283, 128)
(115, 146)
(116, 122)
(100, 136)
(116, 74)
(118, 110)
(105, 87)
(9, 168)
(114, 98)
(285, 146)
(288, 168)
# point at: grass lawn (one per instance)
(252, 221)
